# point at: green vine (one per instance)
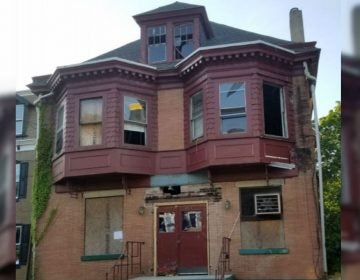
(42, 181)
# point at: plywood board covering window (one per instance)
(91, 121)
(104, 225)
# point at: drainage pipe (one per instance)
(319, 161)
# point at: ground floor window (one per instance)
(103, 226)
(22, 244)
(261, 225)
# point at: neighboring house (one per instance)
(195, 132)
(26, 131)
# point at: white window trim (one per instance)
(201, 115)
(233, 115)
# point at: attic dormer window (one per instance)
(156, 44)
(183, 40)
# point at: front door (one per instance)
(181, 239)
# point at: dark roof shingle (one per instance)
(176, 6)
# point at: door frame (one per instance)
(159, 204)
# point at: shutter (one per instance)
(23, 179)
(24, 249)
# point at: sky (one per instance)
(56, 33)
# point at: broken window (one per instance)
(274, 110)
(232, 107)
(191, 221)
(196, 115)
(166, 222)
(59, 130)
(156, 44)
(103, 225)
(90, 121)
(134, 121)
(183, 40)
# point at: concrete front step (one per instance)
(187, 277)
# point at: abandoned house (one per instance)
(187, 152)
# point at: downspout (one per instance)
(36, 104)
(319, 160)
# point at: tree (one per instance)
(330, 129)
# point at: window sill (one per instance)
(102, 257)
(265, 251)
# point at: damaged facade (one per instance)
(195, 132)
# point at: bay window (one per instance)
(196, 115)
(91, 121)
(135, 121)
(232, 107)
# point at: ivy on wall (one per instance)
(42, 181)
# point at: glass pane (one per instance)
(60, 118)
(197, 128)
(191, 221)
(18, 235)
(134, 110)
(157, 53)
(19, 127)
(232, 96)
(167, 222)
(17, 172)
(187, 48)
(59, 141)
(19, 111)
(91, 110)
(233, 124)
(196, 105)
(90, 134)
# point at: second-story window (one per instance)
(156, 44)
(59, 130)
(232, 107)
(183, 40)
(20, 119)
(196, 115)
(134, 121)
(21, 176)
(91, 121)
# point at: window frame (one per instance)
(100, 97)
(179, 25)
(61, 129)
(235, 115)
(156, 44)
(283, 111)
(22, 119)
(17, 179)
(193, 119)
(145, 125)
(20, 235)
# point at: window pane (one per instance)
(197, 128)
(60, 118)
(233, 96)
(191, 221)
(18, 235)
(59, 141)
(167, 222)
(90, 110)
(134, 110)
(103, 218)
(90, 134)
(19, 127)
(19, 111)
(157, 53)
(196, 105)
(17, 172)
(233, 124)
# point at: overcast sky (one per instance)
(54, 33)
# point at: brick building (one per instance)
(26, 131)
(195, 132)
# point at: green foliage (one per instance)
(42, 181)
(330, 128)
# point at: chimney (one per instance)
(356, 30)
(296, 25)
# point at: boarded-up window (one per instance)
(90, 121)
(104, 225)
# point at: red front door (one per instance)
(182, 239)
